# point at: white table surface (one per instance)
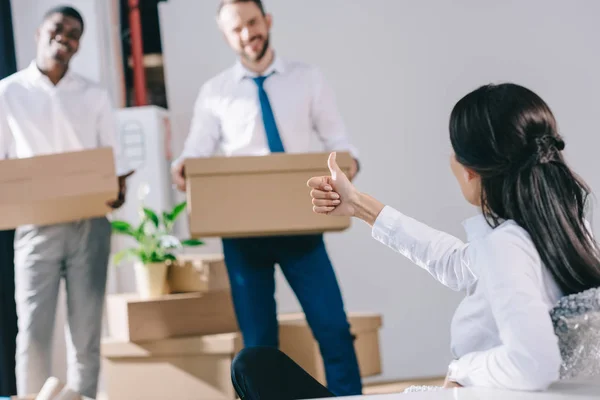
(559, 391)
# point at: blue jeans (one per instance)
(307, 268)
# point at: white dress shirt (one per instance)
(37, 117)
(227, 113)
(502, 334)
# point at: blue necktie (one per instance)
(273, 138)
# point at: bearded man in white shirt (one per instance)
(261, 105)
(47, 109)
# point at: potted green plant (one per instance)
(155, 248)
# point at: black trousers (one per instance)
(8, 315)
(266, 373)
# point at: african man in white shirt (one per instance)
(262, 105)
(47, 109)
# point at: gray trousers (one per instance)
(78, 253)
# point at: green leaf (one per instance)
(139, 233)
(170, 257)
(177, 210)
(122, 227)
(123, 255)
(151, 215)
(167, 222)
(192, 242)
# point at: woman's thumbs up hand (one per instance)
(334, 194)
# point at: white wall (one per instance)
(398, 67)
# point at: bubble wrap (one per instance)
(576, 320)
(412, 389)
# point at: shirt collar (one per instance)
(33, 71)
(35, 74)
(476, 227)
(240, 72)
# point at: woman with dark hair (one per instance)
(529, 247)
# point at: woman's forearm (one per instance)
(367, 208)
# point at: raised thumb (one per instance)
(334, 169)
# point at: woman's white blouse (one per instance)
(502, 334)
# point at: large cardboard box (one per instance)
(257, 195)
(184, 369)
(56, 188)
(297, 341)
(198, 273)
(176, 315)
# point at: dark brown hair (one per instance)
(508, 135)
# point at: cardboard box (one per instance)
(198, 273)
(297, 341)
(56, 188)
(184, 369)
(177, 315)
(257, 195)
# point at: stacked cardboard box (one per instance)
(179, 345)
(199, 367)
(196, 367)
(182, 345)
